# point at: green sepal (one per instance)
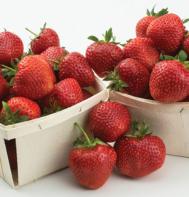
(93, 38)
(185, 20)
(157, 15)
(11, 82)
(141, 132)
(89, 143)
(182, 56)
(11, 118)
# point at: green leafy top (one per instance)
(141, 132)
(181, 57)
(107, 38)
(36, 35)
(116, 83)
(89, 143)
(11, 118)
(156, 15)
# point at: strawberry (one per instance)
(46, 38)
(139, 154)
(4, 89)
(74, 65)
(11, 47)
(19, 109)
(185, 44)
(167, 32)
(169, 81)
(86, 94)
(66, 92)
(103, 55)
(109, 120)
(55, 55)
(92, 161)
(143, 50)
(33, 77)
(142, 25)
(131, 76)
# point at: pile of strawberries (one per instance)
(48, 79)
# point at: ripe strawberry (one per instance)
(33, 77)
(86, 94)
(92, 161)
(46, 38)
(169, 81)
(74, 65)
(143, 23)
(11, 47)
(167, 32)
(109, 120)
(55, 55)
(66, 92)
(131, 76)
(4, 89)
(185, 44)
(139, 154)
(103, 55)
(19, 109)
(143, 50)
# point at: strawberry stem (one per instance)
(32, 32)
(53, 61)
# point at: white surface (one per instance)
(170, 180)
(74, 21)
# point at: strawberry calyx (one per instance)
(36, 35)
(89, 143)
(108, 36)
(157, 15)
(141, 132)
(116, 83)
(181, 57)
(11, 118)
(57, 67)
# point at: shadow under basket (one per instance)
(169, 121)
(41, 146)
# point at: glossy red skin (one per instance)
(143, 50)
(167, 32)
(103, 57)
(11, 47)
(135, 75)
(4, 89)
(46, 39)
(142, 25)
(67, 93)
(109, 120)
(185, 45)
(54, 53)
(92, 167)
(74, 65)
(29, 107)
(86, 94)
(139, 157)
(34, 78)
(169, 81)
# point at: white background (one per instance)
(74, 21)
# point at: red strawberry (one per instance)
(4, 89)
(139, 154)
(54, 54)
(46, 38)
(109, 120)
(11, 47)
(131, 76)
(66, 92)
(86, 94)
(167, 32)
(33, 77)
(92, 161)
(74, 65)
(103, 55)
(185, 45)
(142, 50)
(19, 109)
(143, 23)
(169, 81)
